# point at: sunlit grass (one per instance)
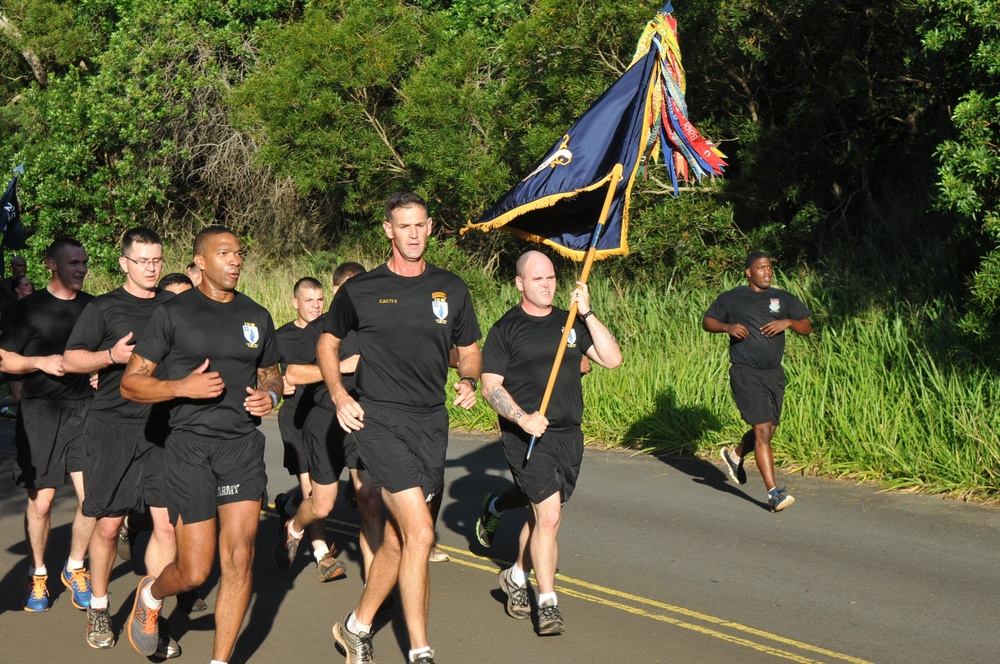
(875, 394)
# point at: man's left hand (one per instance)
(466, 395)
(258, 402)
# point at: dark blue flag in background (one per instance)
(10, 216)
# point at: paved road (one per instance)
(662, 561)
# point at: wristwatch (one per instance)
(274, 398)
(472, 381)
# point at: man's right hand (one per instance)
(535, 424)
(350, 414)
(202, 383)
(737, 331)
(52, 365)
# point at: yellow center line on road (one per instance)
(564, 584)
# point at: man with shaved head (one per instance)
(517, 359)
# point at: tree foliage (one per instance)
(292, 120)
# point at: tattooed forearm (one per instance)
(504, 404)
(269, 379)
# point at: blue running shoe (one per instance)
(778, 499)
(37, 593)
(78, 581)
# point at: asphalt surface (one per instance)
(662, 560)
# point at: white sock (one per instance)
(354, 627)
(99, 603)
(549, 598)
(148, 599)
(414, 653)
(320, 549)
(493, 507)
(74, 564)
(37, 571)
(297, 534)
(216, 661)
(517, 575)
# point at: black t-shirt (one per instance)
(753, 310)
(521, 348)
(104, 321)
(7, 294)
(406, 327)
(306, 352)
(40, 325)
(288, 336)
(236, 337)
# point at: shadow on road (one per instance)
(671, 434)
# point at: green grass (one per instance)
(892, 395)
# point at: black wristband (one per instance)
(587, 315)
(473, 381)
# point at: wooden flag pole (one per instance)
(616, 176)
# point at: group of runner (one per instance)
(182, 381)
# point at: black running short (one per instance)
(554, 466)
(117, 452)
(154, 477)
(291, 423)
(49, 435)
(203, 473)
(759, 393)
(324, 443)
(403, 449)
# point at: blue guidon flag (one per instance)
(10, 215)
(642, 114)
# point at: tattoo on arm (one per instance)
(140, 365)
(269, 379)
(503, 404)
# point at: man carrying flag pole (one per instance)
(642, 114)
(518, 349)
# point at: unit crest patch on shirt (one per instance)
(251, 334)
(439, 305)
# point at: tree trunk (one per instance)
(11, 31)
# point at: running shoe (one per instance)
(287, 546)
(517, 596)
(438, 555)
(329, 568)
(126, 541)
(8, 413)
(487, 523)
(550, 620)
(100, 633)
(37, 590)
(166, 647)
(78, 581)
(778, 499)
(426, 657)
(189, 602)
(143, 628)
(736, 471)
(358, 647)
